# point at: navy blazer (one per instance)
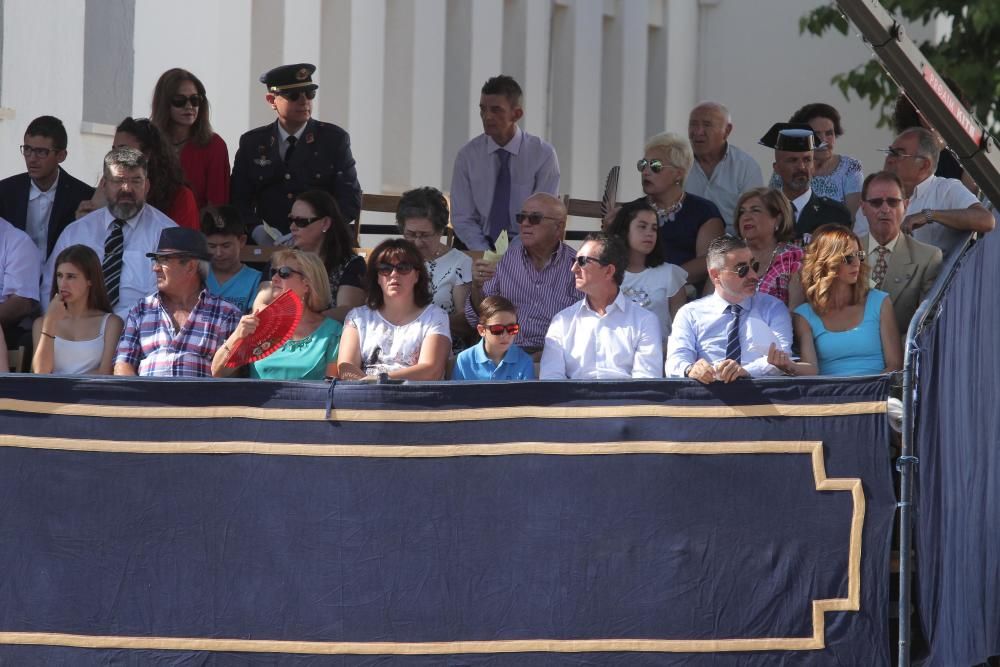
(69, 193)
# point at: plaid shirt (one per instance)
(151, 345)
(787, 261)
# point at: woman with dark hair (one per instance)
(650, 281)
(838, 177)
(317, 226)
(167, 191)
(181, 112)
(398, 331)
(422, 218)
(764, 220)
(78, 333)
(844, 327)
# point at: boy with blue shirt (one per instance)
(229, 278)
(495, 357)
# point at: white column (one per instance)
(526, 58)
(681, 24)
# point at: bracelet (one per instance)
(44, 333)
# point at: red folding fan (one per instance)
(276, 323)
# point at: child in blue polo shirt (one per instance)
(229, 278)
(495, 357)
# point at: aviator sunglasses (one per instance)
(655, 166)
(499, 329)
(859, 255)
(742, 269)
(180, 101)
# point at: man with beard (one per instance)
(121, 233)
(735, 331)
(793, 145)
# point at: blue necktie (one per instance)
(733, 344)
(500, 209)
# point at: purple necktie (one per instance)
(500, 209)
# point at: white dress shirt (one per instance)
(800, 202)
(142, 235)
(701, 331)
(734, 175)
(533, 168)
(623, 343)
(20, 263)
(39, 211)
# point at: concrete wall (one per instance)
(403, 76)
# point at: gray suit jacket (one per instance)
(913, 266)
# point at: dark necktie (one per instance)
(881, 266)
(733, 344)
(291, 148)
(500, 209)
(114, 248)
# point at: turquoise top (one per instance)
(473, 364)
(304, 359)
(857, 351)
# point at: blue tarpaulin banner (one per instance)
(958, 477)
(541, 523)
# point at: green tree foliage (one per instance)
(970, 55)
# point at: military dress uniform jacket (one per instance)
(820, 211)
(263, 187)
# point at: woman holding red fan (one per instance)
(311, 352)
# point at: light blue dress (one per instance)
(857, 351)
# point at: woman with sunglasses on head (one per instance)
(317, 226)
(844, 327)
(687, 222)
(79, 333)
(181, 112)
(422, 218)
(764, 220)
(311, 352)
(650, 282)
(399, 331)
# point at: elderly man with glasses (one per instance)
(276, 162)
(735, 331)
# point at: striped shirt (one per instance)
(538, 295)
(150, 344)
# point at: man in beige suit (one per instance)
(900, 265)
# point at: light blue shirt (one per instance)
(239, 290)
(701, 331)
(473, 364)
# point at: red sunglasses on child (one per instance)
(498, 329)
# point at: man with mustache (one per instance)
(735, 331)
(793, 145)
(121, 233)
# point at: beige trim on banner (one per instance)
(819, 607)
(464, 414)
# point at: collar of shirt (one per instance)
(50, 194)
(920, 187)
(513, 146)
(552, 258)
(480, 357)
(618, 303)
(873, 245)
(130, 223)
(719, 304)
(283, 135)
(800, 202)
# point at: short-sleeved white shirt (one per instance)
(20, 263)
(386, 347)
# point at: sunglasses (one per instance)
(876, 202)
(180, 101)
(583, 260)
(655, 166)
(499, 329)
(285, 272)
(294, 96)
(532, 218)
(742, 269)
(859, 255)
(402, 268)
(304, 222)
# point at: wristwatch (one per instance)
(928, 216)
(687, 371)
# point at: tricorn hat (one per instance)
(792, 137)
(289, 78)
(181, 241)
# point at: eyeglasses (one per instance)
(859, 255)
(163, 260)
(294, 96)
(402, 268)
(532, 218)
(28, 151)
(499, 329)
(181, 101)
(285, 272)
(583, 260)
(743, 268)
(876, 202)
(899, 154)
(304, 222)
(655, 166)
(420, 236)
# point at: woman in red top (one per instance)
(181, 112)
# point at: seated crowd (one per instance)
(709, 275)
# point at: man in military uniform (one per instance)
(296, 153)
(793, 145)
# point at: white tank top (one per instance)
(76, 357)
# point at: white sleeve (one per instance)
(553, 363)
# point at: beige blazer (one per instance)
(913, 266)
